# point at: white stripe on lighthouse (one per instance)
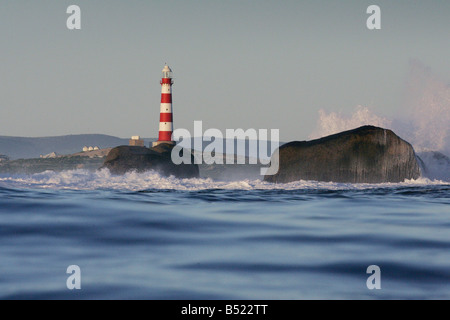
(165, 88)
(166, 108)
(166, 126)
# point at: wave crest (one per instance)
(103, 180)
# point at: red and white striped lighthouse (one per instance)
(166, 118)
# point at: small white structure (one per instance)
(52, 155)
(136, 141)
(87, 149)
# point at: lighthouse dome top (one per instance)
(167, 72)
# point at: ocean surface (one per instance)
(142, 236)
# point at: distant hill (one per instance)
(24, 151)
(25, 148)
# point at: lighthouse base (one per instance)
(156, 143)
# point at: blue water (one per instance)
(148, 237)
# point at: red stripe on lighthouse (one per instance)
(166, 98)
(165, 117)
(166, 81)
(165, 136)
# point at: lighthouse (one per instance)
(166, 118)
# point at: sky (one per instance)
(258, 64)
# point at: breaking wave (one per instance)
(334, 122)
(103, 180)
(423, 119)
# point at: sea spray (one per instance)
(334, 122)
(423, 119)
(426, 110)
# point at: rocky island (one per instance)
(364, 155)
(131, 158)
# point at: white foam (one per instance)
(102, 179)
(333, 122)
(423, 118)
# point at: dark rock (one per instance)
(127, 158)
(364, 155)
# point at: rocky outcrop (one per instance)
(128, 158)
(363, 155)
